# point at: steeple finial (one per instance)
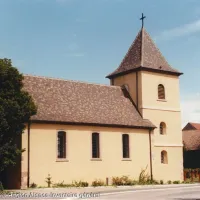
(142, 18)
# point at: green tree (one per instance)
(16, 108)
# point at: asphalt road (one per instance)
(190, 193)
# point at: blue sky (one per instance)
(87, 39)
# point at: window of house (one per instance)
(164, 159)
(125, 145)
(161, 92)
(162, 128)
(61, 137)
(95, 145)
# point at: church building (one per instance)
(85, 131)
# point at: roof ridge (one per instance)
(60, 79)
(142, 46)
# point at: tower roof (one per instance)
(143, 55)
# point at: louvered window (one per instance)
(162, 128)
(164, 159)
(161, 92)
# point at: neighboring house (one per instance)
(191, 141)
(191, 126)
(85, 131)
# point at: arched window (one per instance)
(164, 159)
(162, 128)
(161, 92)
(125, 145)
(95, 145)
(61, 148)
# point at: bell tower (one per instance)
(154, 87)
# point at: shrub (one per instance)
(62, 184)
(117, 181)
(124, 180)
(161, 182)
(134, 182)
(154, 182)
(176, 182)
(169, 182)
(144, 177)
(147, 182)
(33, 185)
(187, 182)
(41, 187)
(80, 184)
(48, 180)
(99, 182)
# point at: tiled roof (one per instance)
(192, 126)
(143, 55)
(191, 139)
(85, 103)
(196, 126)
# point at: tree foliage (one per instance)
(16, 108)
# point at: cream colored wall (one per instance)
(158, 111)
(171, 171)
(150, 82)
(171, 142)
(43, 151)
(140, 92)
(173, 126)
(167, 111)
(130, 80)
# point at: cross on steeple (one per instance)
(142, 18)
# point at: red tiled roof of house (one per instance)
(143, 55)
(85, 103)
(192, 126)
(196, 125)
(191, 140)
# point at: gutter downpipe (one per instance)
(28, 170)
(150, 150)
